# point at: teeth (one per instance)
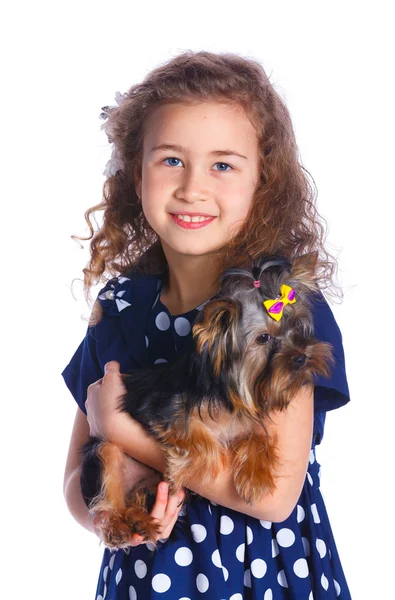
(189, 219)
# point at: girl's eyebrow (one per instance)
(178, 148)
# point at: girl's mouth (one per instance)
(187, 222)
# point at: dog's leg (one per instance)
(197, 454)
(254, 462)
(116, 514)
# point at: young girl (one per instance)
(204, 174)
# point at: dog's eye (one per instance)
(264, 338)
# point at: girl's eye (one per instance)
(226, 165)
(171, 158)
(264, 338)
(219, 163)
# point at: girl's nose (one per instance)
(194, 186)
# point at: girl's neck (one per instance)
(189, 282)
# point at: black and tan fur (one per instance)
(207, 409)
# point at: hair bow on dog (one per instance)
(275, 308)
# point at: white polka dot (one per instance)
(150, 546)
(282, 580)
(226, 573)
(247, 578)
(266, 524)
(316, 516)
(104, 591)
(199, 533)
(311, 597)
(301, 513)
(226, 526)
(132, 593)
(275, 548)
(306, 546)
(321, 547)
(301, 568)
(236, 597)
(240, 552)
(182, 326)
(337, 587)
(216, 558)
(105, 573)
(258, 568)
(209, 509)
(185, 598)
(160, 360)
(140, 568)
(268, 595)
(99, 597)
(285, 537)
(330, 554)
(250, 536)
(146, 342)
(118, 576)
(309, 478)
(111, 563)
(324, 582)
(311, 457)
(202, 583)
(161, 583)
(183, 556)
(162, 321)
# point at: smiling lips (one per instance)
(192, 221)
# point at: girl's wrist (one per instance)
(115, 425)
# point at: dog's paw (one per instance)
(114, 530)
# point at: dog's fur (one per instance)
(207, 409)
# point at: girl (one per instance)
(204, 173)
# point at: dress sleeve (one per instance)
(83, 368)
(332, 392)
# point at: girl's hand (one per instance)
(165, 510)
(103, 399)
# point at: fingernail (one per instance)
(163, 487)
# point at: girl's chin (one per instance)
(196, 249)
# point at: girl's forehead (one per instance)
(181, 123)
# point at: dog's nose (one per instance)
(299, 360)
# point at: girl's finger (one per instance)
(159, 508)
(95, 383)
(158, 511)
(173, 507)
(168, 528)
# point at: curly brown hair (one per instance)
(283, 217)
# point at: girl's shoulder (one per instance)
(126, 302)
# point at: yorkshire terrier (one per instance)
(252, 349)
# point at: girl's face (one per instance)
(210, 166)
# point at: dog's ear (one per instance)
(216, 332)
(304, 269)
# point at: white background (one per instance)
(63, 61)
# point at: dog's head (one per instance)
(258, 335)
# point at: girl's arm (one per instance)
(294, 428)
(166, 508)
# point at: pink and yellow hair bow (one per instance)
(275, 308)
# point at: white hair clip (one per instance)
(115, 163)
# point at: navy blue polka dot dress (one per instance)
(213, 552)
